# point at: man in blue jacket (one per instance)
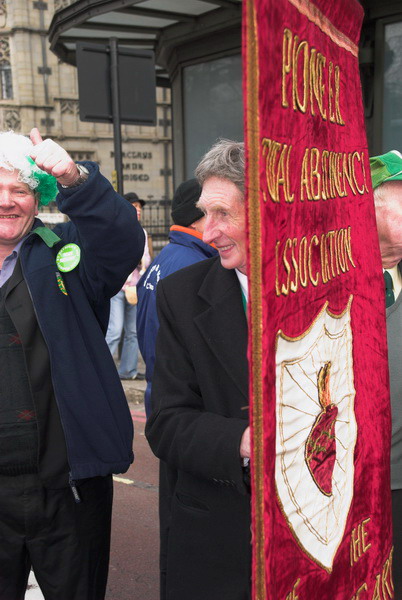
(64, 422)
(185, 248)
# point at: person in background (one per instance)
(386, 174)
(198, 425)
(123, 310)
(185, 248)
(65, 426)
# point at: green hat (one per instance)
(387, 167)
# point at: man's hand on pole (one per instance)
(53, 159)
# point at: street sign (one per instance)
(136, 83)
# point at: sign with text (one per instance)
(133, 166)
(318, 357)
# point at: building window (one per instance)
(213, 106)
(3, 13)
(82, 155)
(392, 89)
(6, 84)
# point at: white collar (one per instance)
(243, 280)
(396, 279)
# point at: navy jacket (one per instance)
(93, 409)
(185, 248)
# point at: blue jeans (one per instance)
(123, 316)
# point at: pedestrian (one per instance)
(199, 420)
(185, 248)
(123, 311)
(386, 173)
(64, 422)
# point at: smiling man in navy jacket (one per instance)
(64, 421)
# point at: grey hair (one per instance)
(379, 199)
(380, 193)
(226, 160)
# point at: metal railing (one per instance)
(155, 219)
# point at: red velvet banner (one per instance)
(319, 376)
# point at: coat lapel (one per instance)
(15, 278)
(224, 325)
(20, 308)
(47, 236)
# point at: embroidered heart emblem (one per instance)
(320, 450)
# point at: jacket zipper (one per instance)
(73, 486)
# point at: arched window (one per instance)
(6, 82)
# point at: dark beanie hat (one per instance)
(133, 197)
(184, 210)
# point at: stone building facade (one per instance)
(37, 89)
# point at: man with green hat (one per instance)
(386, 173)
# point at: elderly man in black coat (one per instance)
(199, 422)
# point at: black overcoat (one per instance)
(200, 411)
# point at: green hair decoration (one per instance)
(46, 186)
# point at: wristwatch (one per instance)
(83, 176)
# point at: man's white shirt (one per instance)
(396, 279)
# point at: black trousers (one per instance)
(397, 556)
(67, 544)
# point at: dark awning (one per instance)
(135, 23)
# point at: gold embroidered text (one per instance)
(311, 260)
(362, 588)
(324, 174)
(293, 594)
(314, 82)
(358, 542)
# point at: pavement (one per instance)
(134, 389)
(33, 591)
(133, 569)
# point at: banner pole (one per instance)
(254, 222)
